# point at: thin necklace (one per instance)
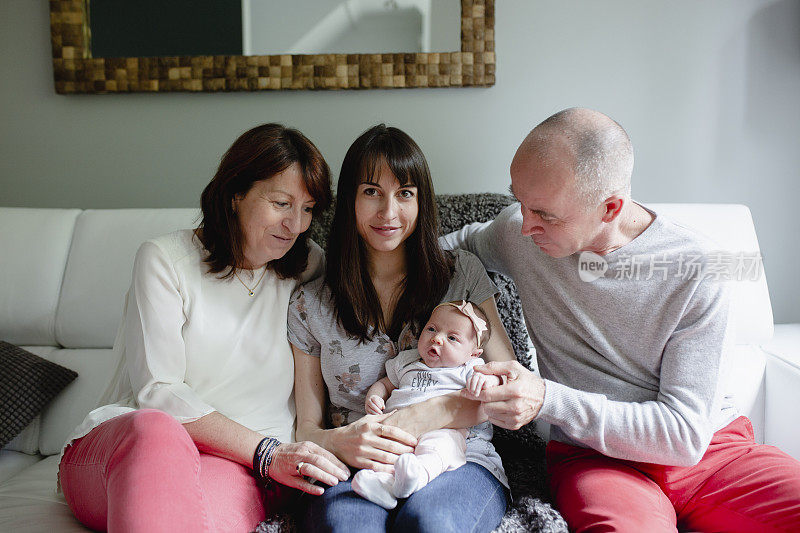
(250, 291)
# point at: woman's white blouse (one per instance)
(191, 343)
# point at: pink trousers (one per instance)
(738, 485)
(142, 472)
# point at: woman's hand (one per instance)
(292, 462)
(369, 443)
(448, 411)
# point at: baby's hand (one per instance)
(477, 382)
(374, 405)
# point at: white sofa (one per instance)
(65, 273)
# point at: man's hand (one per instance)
(514, 404)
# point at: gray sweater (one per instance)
(631, 360)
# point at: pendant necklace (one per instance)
(250, 292)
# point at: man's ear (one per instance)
(477, 352)
(612, 207)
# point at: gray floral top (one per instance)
(349, 367)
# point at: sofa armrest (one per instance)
(783, 389)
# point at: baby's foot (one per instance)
(409, 475)
(375, 487)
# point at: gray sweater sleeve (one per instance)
(676, 427)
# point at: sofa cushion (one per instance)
(27, 441)
(27, 384)
(34, 244)
(98, 271)
(29, 502)
(12, 463)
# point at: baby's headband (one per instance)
(467, 310)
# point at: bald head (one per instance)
(595, 146)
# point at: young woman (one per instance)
(204, 386)
(385, 273)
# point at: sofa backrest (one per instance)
(66, 271)
(34, 245)
(98, 271)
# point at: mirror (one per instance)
(102, 46)
(148, 28)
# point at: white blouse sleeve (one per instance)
(155, 352)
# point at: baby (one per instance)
(443, 362)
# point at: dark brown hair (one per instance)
(429, 268)
(258, 154)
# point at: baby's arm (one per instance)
(478, 382)
(377, 395)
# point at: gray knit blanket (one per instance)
(522, 451)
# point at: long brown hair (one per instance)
(429, 268)
(259, 154)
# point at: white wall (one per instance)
(709, 91)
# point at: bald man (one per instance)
(630, 334)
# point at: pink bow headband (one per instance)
(467, 310)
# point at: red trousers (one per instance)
(142, 472)
(738, 485)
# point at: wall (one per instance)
(709, 91)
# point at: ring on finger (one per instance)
(299, 467)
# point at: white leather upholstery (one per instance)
(33, 251)
(95, 368)
(783, 389)
(12, 463)
(98, 272)
(732, 227)
(29, 503)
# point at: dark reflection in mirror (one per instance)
(147, 28)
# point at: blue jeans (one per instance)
(468, 499)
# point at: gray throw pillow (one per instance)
(27, 384)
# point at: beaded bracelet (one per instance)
(262, 458)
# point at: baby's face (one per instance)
(448, 339)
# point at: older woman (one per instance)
(204, 387)
(385, 273)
